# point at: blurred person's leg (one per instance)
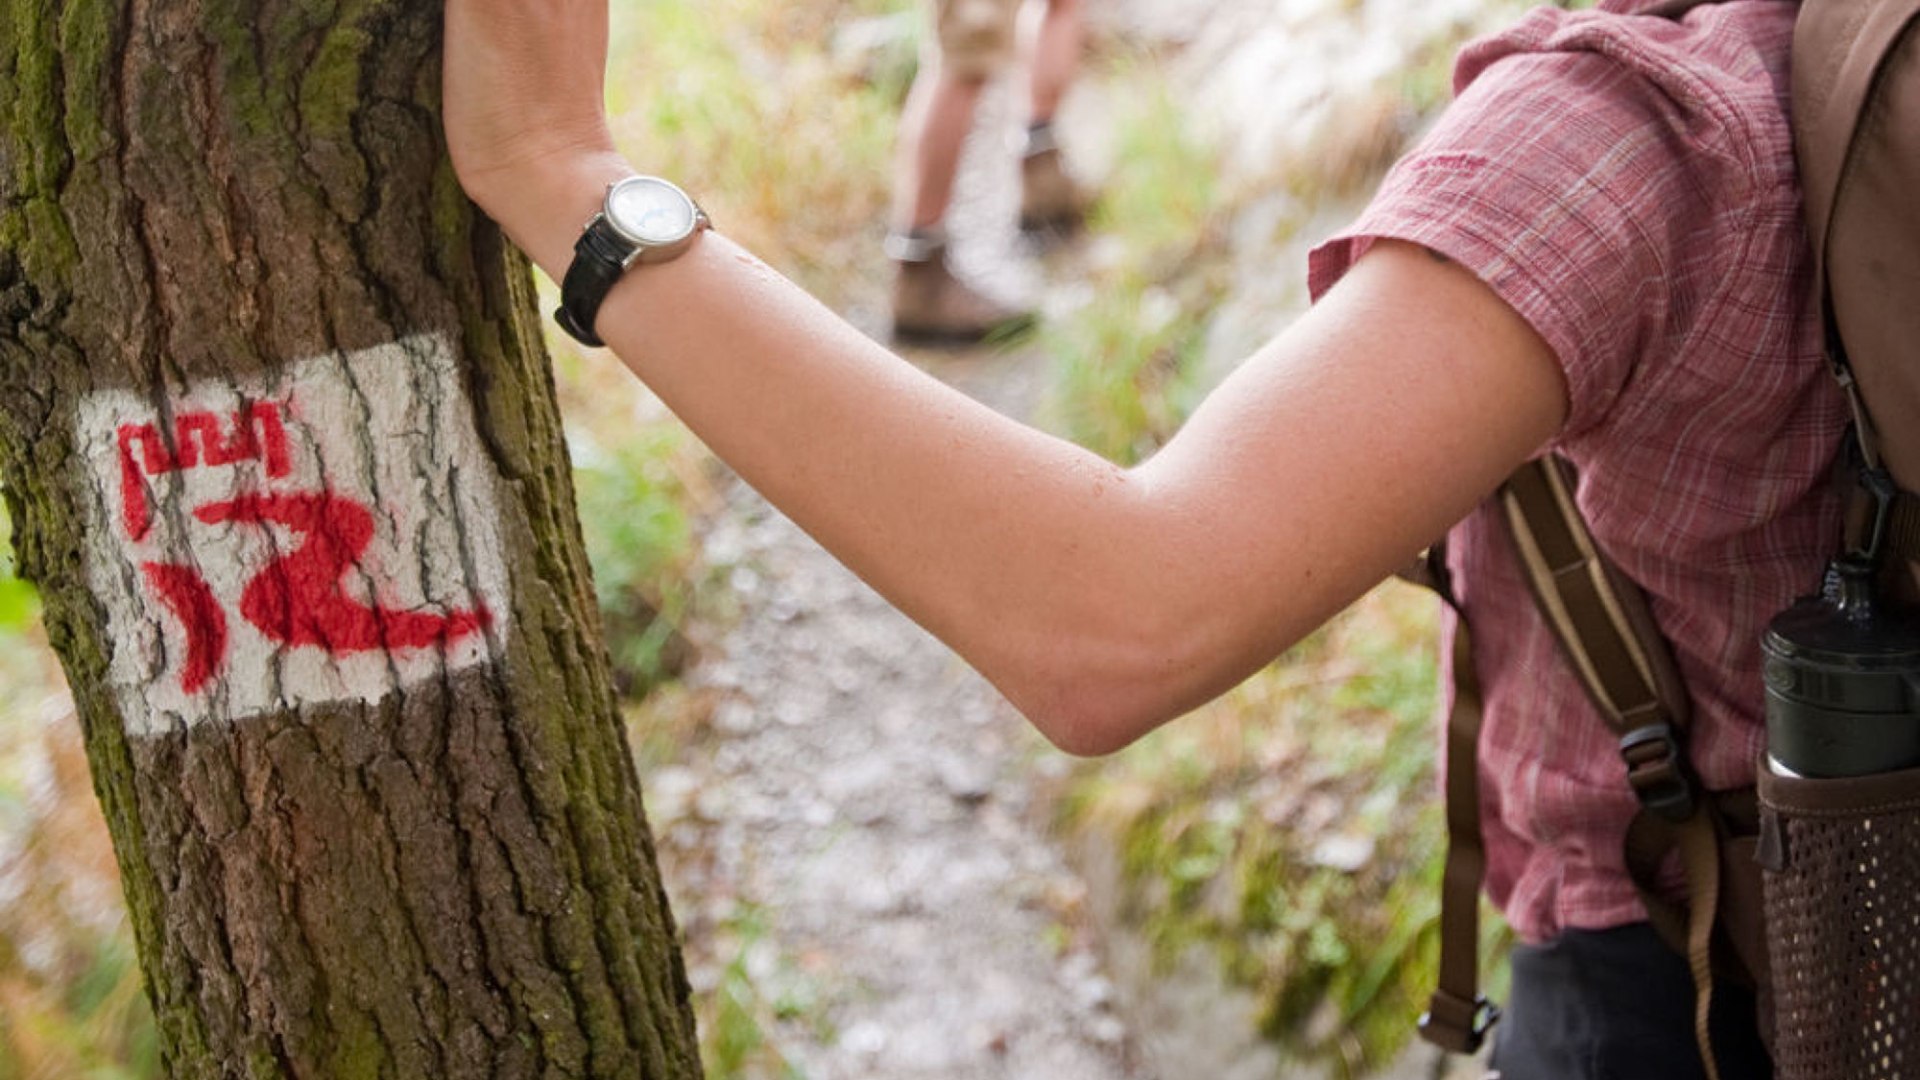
(1053, 57)
(972, 41)
(933, 129)
(1049, 199)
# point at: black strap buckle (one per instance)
(1881, 493)
(1657, 771)
(1457, 1025)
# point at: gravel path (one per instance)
(870, 797)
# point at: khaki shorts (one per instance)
(976, 36)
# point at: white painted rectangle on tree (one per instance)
(326, 532)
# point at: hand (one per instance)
(524, 99)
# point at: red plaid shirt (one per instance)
(1627, 184)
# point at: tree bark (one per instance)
(278, 433)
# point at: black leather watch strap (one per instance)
(599, 258)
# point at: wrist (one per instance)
(542, 207)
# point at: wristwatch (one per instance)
(644, 220)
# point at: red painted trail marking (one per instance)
(329, 533)
(186, 594)
(298, 600)
(199, 441)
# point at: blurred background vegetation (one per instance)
(1288, 830)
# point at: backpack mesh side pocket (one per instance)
(1841, 861)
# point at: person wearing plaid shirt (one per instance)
(1627, 185)
(1597, 252)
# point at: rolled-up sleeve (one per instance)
(1562, 181)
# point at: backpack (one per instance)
(1806, 890)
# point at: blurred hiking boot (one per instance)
(932, 306)
(1049, 199)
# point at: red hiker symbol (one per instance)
(298, 598)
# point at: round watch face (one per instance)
(650, 211)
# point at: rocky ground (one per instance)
(869, 796)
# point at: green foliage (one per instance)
(1126, 360)
(747, 1002)
(100, 1029)
(19, 602)
(1162, 200)
(1125, 371)
(635, 517)
(787, 144)
(1290, 829)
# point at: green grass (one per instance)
(786, 144)
(749, 1001)
(636, 516)
(19, 603)
(1125, 361)
(1290, 829)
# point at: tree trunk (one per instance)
(278, 433)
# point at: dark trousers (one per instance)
(1617, 1005)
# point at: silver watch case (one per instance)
(655, 216)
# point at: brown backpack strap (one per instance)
(1598, 615)
(1841, 49)
(1606, 631)
(1882, 519)
(1458, 1016)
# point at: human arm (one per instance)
(1102, 601)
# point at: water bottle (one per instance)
(1842, 681)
